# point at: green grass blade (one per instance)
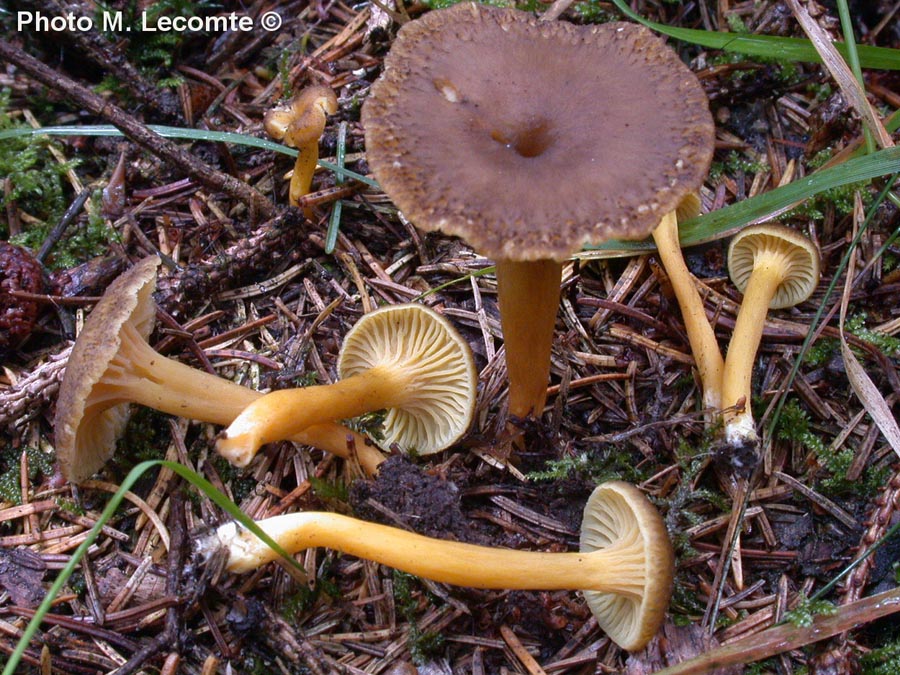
(185, 134)
(133, 476)
(334, 222)
(768, 46)
(852, 59)
(767, 205)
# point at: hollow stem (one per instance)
(529, 299)
(767, 274)
(701, 336)
(618, 569)
(139, 374)
(281, 414)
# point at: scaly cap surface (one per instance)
(529, 138)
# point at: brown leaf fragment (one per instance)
(672, 645)
(21, 573)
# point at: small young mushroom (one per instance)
(404, 358)
(494, 126)
(111, 366)
(625, 566)
(774, 267)
(701, 336)
(300, 125)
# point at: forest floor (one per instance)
(248, 289)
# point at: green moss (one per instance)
(525, 5)
(83, 240)
(146, 437)
(36, 186)
(888, 344)
(372, 425)
(820, 90)
(34, 179)
(612, 463)
(882, 660)
(794, 426)
(422, 644)
(241, 485)
(328, 490)
(821, 352)
(840, 198)
(40, 463)
(736, 23)
(153, 51)
(595, 11)
(71, 506)
(305, 598)
(733, 163)
(806, 610)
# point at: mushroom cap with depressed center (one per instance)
(412, 336)
(532, 138)
(799, 255)
(615, 513)
(85, 441)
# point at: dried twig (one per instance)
(140, 134)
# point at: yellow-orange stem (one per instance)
(748, 328)
(148, 378)
(528, 293)
(620, 568)
(701, 336)
(301, 179)
(281, 414)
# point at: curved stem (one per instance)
(701, 336)
(528, 293)
(280, 414)
(737, 377)
(144, 376)
(618, 569)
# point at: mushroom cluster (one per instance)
(494, 126)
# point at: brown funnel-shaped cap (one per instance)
(530, 139)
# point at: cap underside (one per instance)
(442, 392)
(616, 511)
(83, 446)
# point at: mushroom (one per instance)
(111, 366)
(701, 335)
(774, 267)
(300, 124)
(406, 358)
(625, 566)
(530, 139)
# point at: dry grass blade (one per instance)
(862, 384)
(786, 637)
(850, 86)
